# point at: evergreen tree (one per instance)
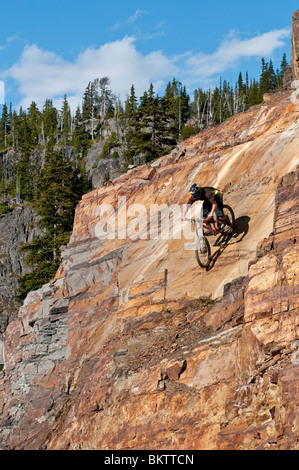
(284, 64)
(14, 124)
(254, 96)
(34, 122)
(131, 118)
(178, 101)
(25, 165)
(80, 137)
(104, 97)
(4, 127)
(272, 78)
(60, 189)
(131, 104)
(49, 122)
(88, 102)
(56, 199)
(268, 78)
(66, 122)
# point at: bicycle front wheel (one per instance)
(203, 252)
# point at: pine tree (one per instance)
(49, 122)
(254, 95)
(80, 137)
(284, 63)
(59, 191)
(144, 139)
(14, 134)
(272, 78)
(178, 101)
(4, 127)
(66, 121)
(104, 98)
(247, 84)
(25, 166)
(56, 199)
(88, 102)
(131, 104)
(283, 66)
(34, 122)
(131, 118)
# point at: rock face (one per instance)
(133, 346)
(16, 227)
(295, 45)
(1, 352)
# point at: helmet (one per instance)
(194, 188)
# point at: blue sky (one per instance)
(52, 48)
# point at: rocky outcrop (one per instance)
(17, 226)
(106, 170)
(99, 169)
(295, 45)
(133, 346)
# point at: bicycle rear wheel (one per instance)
(229, 218)
(203, 252)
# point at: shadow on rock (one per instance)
(222, 241)
(241, 228)
(240, 231)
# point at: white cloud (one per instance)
(137, 14)
(43, 74)
(132, 19)
(232, 50)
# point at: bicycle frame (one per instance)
(214, 225)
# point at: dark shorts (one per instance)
(219, 210)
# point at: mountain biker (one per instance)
(212, 201)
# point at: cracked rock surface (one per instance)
(133, 346)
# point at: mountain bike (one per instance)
(222, 225)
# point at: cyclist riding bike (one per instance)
(212, 201)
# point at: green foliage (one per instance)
(187, 131)
(4, 127)
(214, 106)
(40, 260)
(49, 122)
(110, 144)
(80, 138)
(153, 124)
(65, 123)
(59, 190)
(5, 210)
